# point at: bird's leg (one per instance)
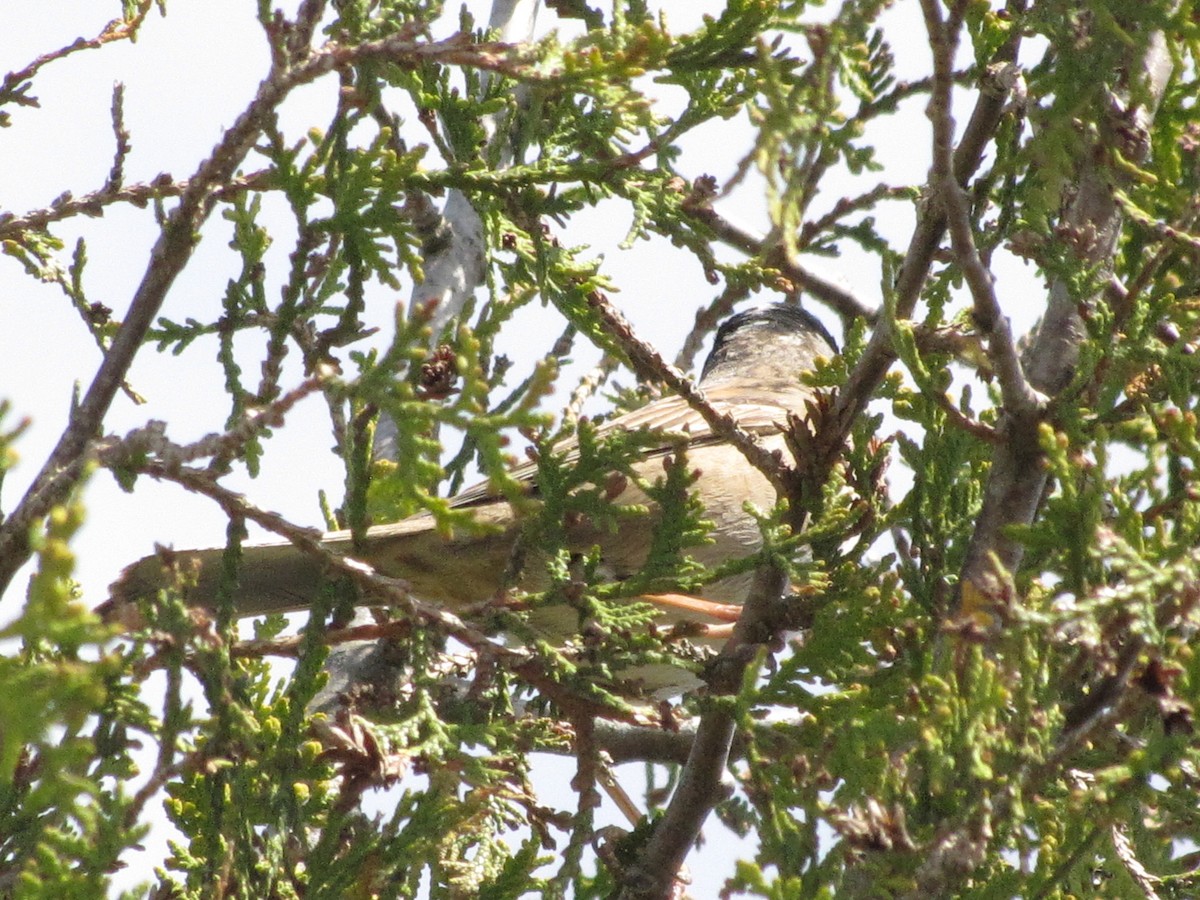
(722, 612)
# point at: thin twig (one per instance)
(707, 321)
(141, 194)
(116, 175)
(291, 646)
(116, 30)
(837, 298)
(849, 205)
(959, 419)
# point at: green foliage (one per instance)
(905, 741)
(65, 816)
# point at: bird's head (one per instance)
(767, 343)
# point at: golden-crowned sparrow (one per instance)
(753, 372)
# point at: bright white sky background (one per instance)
(185, 80)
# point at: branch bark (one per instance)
(653, 876)
(1019, 396)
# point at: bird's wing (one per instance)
(278, 576)
(756, 411)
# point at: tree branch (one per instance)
(997, 82)
(841, 301)
(93, 203)
(457, 266)
(699, 788)
(1017, 479)
(117, 30)
(698, 791)
(1019, 397)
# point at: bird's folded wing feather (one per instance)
(753, 413)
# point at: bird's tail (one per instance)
(279, 576)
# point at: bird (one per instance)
(754, 372)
